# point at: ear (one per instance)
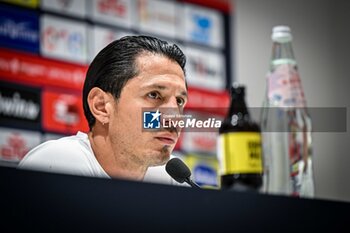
(98, 101)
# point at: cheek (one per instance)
(128, 124)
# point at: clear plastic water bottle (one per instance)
(286, 124)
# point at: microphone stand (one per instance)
(191, 183)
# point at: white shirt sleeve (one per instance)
(57, 156)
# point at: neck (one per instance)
(114, 162)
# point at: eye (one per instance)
(180, 101)
(154, 95)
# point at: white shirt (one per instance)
(73, 155)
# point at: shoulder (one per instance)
(62, 148)
(64, 155)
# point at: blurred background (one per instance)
(46, 46)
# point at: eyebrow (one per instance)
(161, 87)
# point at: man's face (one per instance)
(159, 84)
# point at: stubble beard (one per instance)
(165, 154)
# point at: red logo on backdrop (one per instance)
(205, 143)
(208, 101)
(63, 112)
(15, 149)
(35, 70)
(52, 36)
(112, 7)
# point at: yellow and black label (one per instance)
(240, 152)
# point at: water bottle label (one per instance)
(240, 152)
(284, 87)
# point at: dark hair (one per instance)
(115, 65)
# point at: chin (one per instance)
(162, 157)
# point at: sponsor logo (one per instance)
(64, 39)
(19, 29)
(112, 7)
(158, 17)
(208, 101)
(20, 106)
(16, 106)
(15, 148)
(114, 12)
(205, 175)
(63, 112)
(202, 31)
(205, 141)
(199, 142)
(204, 26)
(36, 70)
(206, 69)
(15, 144)
(74, 40)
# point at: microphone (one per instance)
(180, 172)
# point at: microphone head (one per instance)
(177, 170)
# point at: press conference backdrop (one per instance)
(46, 46)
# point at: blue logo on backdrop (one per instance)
(203, 28)
(205, 175)
(151, 120)
(19, 29)
(75, 43)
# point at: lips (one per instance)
(166, 138)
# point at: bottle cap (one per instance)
(281, 34)
(237, 89)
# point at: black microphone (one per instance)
(180, 172)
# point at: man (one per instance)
(128, 75)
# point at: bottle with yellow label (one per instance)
(239, 147)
